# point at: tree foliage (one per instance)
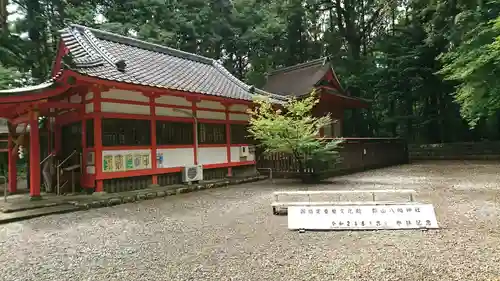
(429, 67)
(475, 66)
(294, 131)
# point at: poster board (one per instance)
(126, 160)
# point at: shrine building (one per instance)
(121, 114)
(300, 79)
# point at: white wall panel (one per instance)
(235, 155)
(173, 100)
(169, 111)
(239, 116)
(75, 99)
(125, 108)
(204, 114)
(238, 107)
(89, 96)
(89, 107)
(210, 104)
(124, 95)
(212, 155)
(176, 157)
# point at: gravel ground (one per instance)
(230, 234)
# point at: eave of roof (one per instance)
(336, 93)
(28, 89)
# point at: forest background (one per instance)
(430, 67)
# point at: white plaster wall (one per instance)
(210, 104)
(89, 96)
(176, 157)
(173, 100)
(125, 108)
(235, 155)
(239, 116)
(124, 95)
(89, 107)
(169, 111)
(212, 155)
(238, 107)
(75, 99)
(204, 114)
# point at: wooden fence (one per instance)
(485, 150)
(357, 154)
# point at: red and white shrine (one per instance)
(131, 113)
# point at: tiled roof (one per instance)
(296, 80)
(114, 57)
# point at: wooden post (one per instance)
(154, 159)
(228, 141)
(12, 165)
(34, 154)
(195, 133)
(98, 139)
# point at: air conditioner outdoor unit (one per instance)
(192, 173)
(244, 151)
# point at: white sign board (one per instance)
(362, 217)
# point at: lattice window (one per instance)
(240, 134)
(126, 132)
(174, 133)
(209, 133)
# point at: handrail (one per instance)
(66, 159)
(58, 173)
(46, 158)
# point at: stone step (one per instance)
(33, 213)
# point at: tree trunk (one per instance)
(3, 15)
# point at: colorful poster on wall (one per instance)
(145, 160)
(125, 160)
(129, 162)
(107, 163)
(137, 161)
(119, 162)
(159, 160)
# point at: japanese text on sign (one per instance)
(408, 216)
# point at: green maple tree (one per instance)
(294, 131)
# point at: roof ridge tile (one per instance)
(105, 35)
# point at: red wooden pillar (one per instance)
(12, 165)
(153, 137)
(98, 140)
(83, 167)
(34, 154)
(196, 131)
(228, 141)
